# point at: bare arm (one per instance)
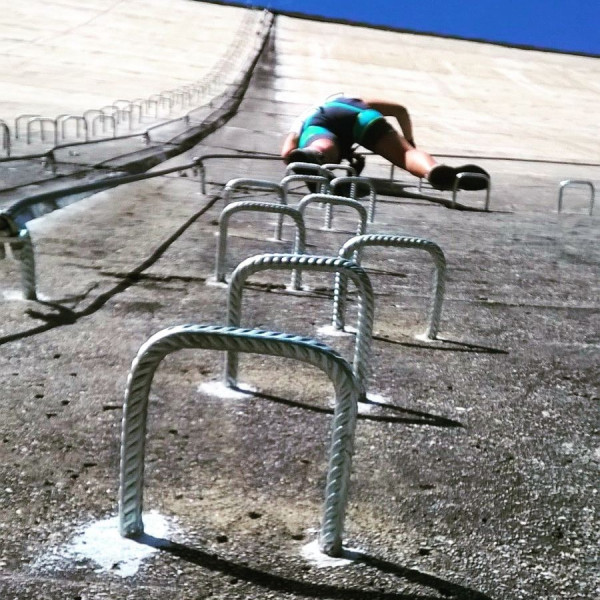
(289, 143)
(399, 112)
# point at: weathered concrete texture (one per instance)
(476, 467)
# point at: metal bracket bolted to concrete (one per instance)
(399, 241)
(488, 187)
(320, 180)
(269, 207)
(22, 247)
(41, 121)
(257, 184)
(580, 182)
(330, 199)
(289, 262)
(5, 137)
(354, 182)
(256, 341)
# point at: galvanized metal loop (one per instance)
(257, 184)
(354, 244)
(321, 180)
(283, 262)
(268, 207)
(354, 183)
(488, 187)
(25, 254)
(215, 337)
(578, 182)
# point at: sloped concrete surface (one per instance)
(476, 462)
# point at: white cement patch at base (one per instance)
(101, 543)
(312, 553)
(331, 331)
(13, 295)
(220, 390)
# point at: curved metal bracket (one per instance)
(319, 180)
(353, 245)
(230, 209)
(289, 262)
(569, 182)
(354, 181)
(488, 187)
(257, 184)
(213, 337)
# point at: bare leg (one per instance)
(328, 148)
(398, 151)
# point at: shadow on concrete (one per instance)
(438, 344)
(288, 585)
(67, 316)
(414, 417)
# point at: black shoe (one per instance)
(306, 155)
(362, 190)
(442, 177)
(472, 183)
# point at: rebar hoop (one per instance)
(354, 183)
(581, 182)
(354, 244)
(285, 262)
(24, 247)
(269, 207)
(320, 180)
(214, 337)
(258, 184)
(481, 176)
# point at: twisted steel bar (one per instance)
(399, 241)
(488, 187)
(5, 137)
(257, 184)
(338, 200)
(80, 123)
(24, 252)
(234, 207)
(328, 200)
(200, 160)
(348, 169)
(256, 341)
(18, 122)
(285, 262)
(354, 182)
(568, 182)
(103, 118)
(321, 180)
(41, 121)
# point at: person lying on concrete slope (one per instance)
(327, 133)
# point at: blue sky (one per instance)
(564, 25)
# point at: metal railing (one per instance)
(122, 111)
(5, 137)
(231, 339)
(329, 200)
